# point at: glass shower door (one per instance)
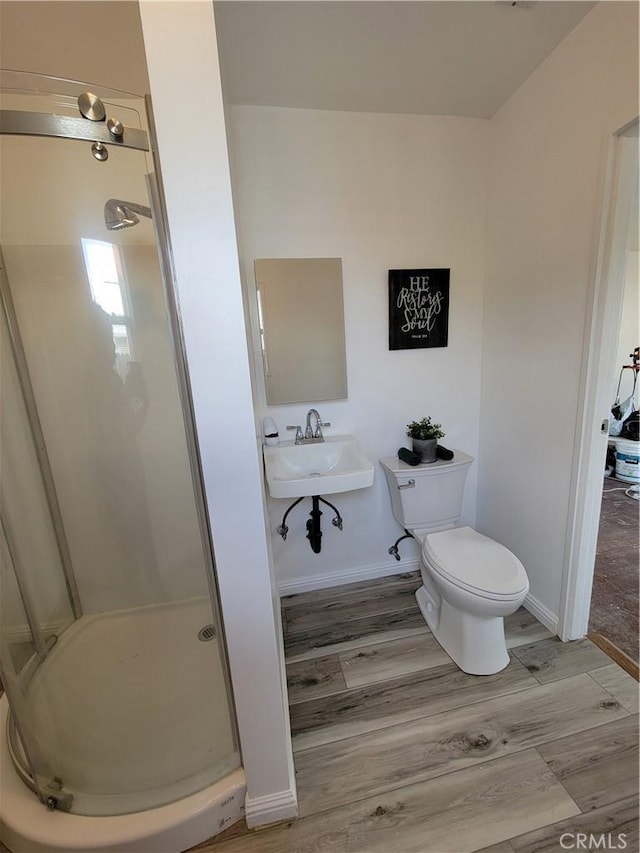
(124, 699)
(35, 606)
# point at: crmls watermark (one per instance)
(593, 841)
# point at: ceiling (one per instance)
(433, 57)
(97, 41)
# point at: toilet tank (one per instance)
(434, 499)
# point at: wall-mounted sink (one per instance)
(301, 470)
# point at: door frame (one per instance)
(597, 380)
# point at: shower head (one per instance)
(120, 214)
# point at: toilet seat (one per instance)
(475, 563)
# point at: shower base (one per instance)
(130, 709)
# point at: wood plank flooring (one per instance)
(614, 598)
(396, 750)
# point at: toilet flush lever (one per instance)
(410, 484)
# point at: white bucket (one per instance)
(628, 460)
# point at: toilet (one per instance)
(469, 582)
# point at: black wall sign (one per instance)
(418, 308)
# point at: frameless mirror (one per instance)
(301, 319)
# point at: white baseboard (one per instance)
(542, 613)
(271, 808)
(364, 573)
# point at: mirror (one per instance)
(301, 318)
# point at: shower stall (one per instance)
(112, 657)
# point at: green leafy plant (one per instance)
(424, 429)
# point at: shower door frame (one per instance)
(159, 220)
(37, 774)
(25, 123)
(39, 444)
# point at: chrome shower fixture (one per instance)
(120, 214)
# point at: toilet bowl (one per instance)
(469, 581)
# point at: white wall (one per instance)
(381, 192)
(548, 152)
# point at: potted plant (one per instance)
(424, 435)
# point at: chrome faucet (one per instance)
(308, 432)
(299, 434)
(310, 436)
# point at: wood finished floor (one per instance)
(398, 751)
(614, 598)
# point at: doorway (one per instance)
(614, 597)
(601, 371)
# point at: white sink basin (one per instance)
(299, 470)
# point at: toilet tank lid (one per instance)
(397, 466)
(476, 562)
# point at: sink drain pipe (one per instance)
(314, 531)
